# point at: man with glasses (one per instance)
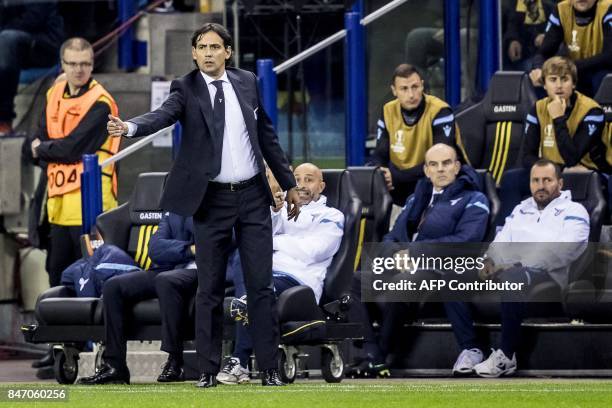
(76, 110)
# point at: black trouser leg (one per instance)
(254, 236)
(119, 294)
(213, 224)
(65, 249)
(174, 290)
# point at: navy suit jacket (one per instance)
(189, 103)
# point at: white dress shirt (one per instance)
(237, 157)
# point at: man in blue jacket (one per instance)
(173, 279)
(446, 207)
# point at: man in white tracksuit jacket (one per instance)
(303, 249)
(543, 221)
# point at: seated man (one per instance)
(583, 28)
(549, 215)
(566, 126)
(410, 124)
(303, 249)
(447, 206)
(525, 28)
(173, 279)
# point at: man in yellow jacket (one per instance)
(73, 124)
(409, 125)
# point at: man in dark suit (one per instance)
(219, 178)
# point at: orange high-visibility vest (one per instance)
(63, 116)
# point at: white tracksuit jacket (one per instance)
(562, 221)
(304, 248)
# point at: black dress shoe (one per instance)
(271, 378)
(172, 372)
(44, 361)
(207, 381)
(107, 375)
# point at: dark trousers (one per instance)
(389, 316)
(512, 312)
(120, 293)
(247, 212)
(64, 250)
(175, 290)
(17, 52)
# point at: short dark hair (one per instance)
(217, 28)
(546, 162)
(404, 71)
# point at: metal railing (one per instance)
(91, 179)
(355, 72)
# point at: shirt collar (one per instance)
(433, 194)
(210, 79)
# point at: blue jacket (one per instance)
(87, 275)
(170, 246)
(459, 215)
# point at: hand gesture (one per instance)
(556, 107)
(279, 201)
(116, 127)
(388, 178)
(536, 77)
(34, 145)
(293, 204)
(515, 51)
(538, 40)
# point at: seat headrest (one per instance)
(578, 184)
(144, 203)
(604, 96)
(509, 98)
(333, 182)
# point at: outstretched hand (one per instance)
(116, 127)
(293, 204)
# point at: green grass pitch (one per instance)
(350, 393)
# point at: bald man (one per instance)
(446, 207)
(303, 249)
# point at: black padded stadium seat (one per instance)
(586, 190)
(369, 182)
(492, 130)
(487, 186)
(302, 321)
(604, 98)
(131, 225)
(340, 189)
(340, 193)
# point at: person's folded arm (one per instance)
(86, 138)
(573, 149)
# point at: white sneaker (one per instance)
(467, 360)
(233, 373)
(496, 365)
